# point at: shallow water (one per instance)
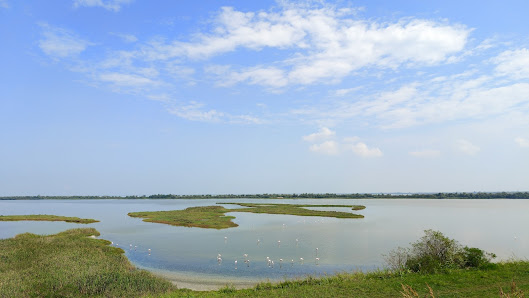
(497, 226)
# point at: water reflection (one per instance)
(289, 241)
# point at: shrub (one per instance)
(435, 252)
(475, 257)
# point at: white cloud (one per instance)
(467, 147)
(332, 147)
(363, 150)
(113, 5)
(265, 76)
(522, 142)
(4, 4)
(322, 134)
(466, 96)
(343, 92)
(513, 63)
(329, 43)
(193, 111)
(425, 153)
(126, 37)
(61, 43)
(327, 147)
(314, 44)
(122, 79)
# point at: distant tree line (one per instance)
(454, 195)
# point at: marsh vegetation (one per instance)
(71, 264)
(46, 217)
(214, 216)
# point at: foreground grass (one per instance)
(45, 217)
(456, 283)
(214, 217)
(71, 264)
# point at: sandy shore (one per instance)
(204, 282)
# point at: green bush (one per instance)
(475, 257)
(435, 252)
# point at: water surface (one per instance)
(497, 226)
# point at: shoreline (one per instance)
(204, 282)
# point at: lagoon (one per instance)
(189, 255)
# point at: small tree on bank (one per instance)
(435, 252)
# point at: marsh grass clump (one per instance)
(435, 252)
(213, 217)
(71, 264)
(46, 217)
(299, 210)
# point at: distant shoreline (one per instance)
(450, 195)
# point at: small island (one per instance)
(46, 217)
(213, 217)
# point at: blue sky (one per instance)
(132, 97)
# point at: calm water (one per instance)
(498, 226)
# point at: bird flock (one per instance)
(268, 261)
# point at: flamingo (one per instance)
(301, 261)
(317, 261)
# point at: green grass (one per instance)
(45, 217)
(71, 264)
(456, 283)
(213, 217)
(201, 217)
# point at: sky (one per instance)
(136, 97)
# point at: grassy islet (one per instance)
(213, 217)
(46, 217)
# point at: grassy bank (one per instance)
(456, 283)
(214, 217)
(45, 217)
(71, 264)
